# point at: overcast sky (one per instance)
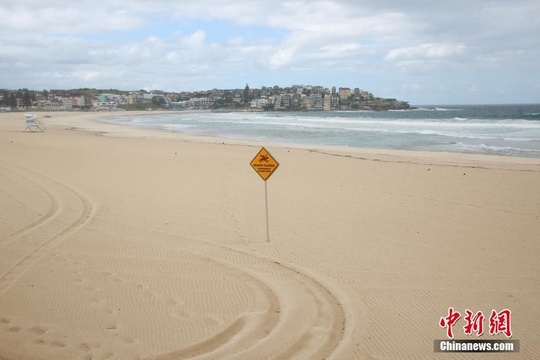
(421, 51)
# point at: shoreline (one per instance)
(95, 123)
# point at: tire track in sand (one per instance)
(68, 211)
(52, 210)
(242, 332)
(311, 319)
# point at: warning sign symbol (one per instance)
(264, 164)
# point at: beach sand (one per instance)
(119, 243)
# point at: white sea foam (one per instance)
(489, 149)
(433, 129)
(443, 109)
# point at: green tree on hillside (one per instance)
(12, 101)
(27, 99)
(5, 98)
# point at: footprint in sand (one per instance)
(57, 344)
(111, 311)
(14, 329)
(38, 330)
(4, 321)
(89, 346)
(84, 347)
(127, 339)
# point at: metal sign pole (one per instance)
(264, 164)
(266, 203)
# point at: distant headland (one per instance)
(292, 98)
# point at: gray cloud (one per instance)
(413, 50)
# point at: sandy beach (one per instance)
(121, 243)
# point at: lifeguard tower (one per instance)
(32, 123)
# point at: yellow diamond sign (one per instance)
(264, 164)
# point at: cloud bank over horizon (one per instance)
(422, 52)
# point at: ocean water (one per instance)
(507, 130)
